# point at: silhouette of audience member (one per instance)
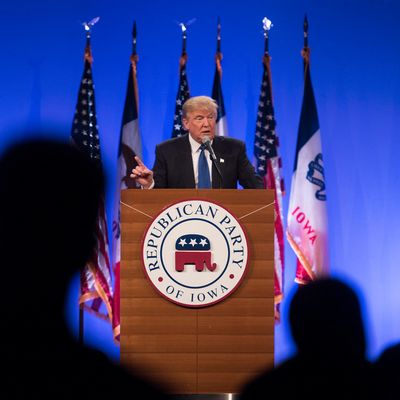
(327, 327)
(387, 370)
(49, 199)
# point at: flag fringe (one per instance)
(300, 255)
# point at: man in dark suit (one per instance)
(177, 160)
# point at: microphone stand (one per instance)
(214, 160)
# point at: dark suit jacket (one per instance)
(173, 166)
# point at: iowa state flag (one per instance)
(307, 230)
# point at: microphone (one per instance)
(207, 142)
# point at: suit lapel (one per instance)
(185, 162)
(218, 150)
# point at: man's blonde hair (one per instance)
(199, 103)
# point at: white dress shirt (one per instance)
(195, 157)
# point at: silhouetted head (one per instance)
(326, 321)
(389, 359)
(49, 199)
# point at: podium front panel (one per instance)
(215, 349)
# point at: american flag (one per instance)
(130, 145)
(96, 287)
(182, 95)
(221, 126)
(307, 229)
(268, 166)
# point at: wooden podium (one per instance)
(215, 349)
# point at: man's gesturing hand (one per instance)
(142, 174)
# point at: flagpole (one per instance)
(221, 128)
(134, 60)
(183, 58)
(305, 32)
(266, 37)
(134, 35)
(305, 53)
(81, 332)
(267, 58)
(81, 323)
(219, 36)
(184, 35)
(218, 55)
(183, 87)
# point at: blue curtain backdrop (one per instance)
(355, 55)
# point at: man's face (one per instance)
(200, 123)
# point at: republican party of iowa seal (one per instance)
(195, 253)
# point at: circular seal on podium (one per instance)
(195, 253)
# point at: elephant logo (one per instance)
(193, 249)
(195, 253)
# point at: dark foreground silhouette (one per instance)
(387, 370)
(49, 198)
(327, 327)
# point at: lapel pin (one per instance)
(221, 160)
